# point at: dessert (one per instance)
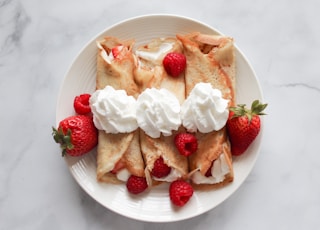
(162, 112)
(118, 151)
(163, 95)
(210, 59)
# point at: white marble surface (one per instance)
(40, 38)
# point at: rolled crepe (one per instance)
(117, 153)
(210, 59)
(150, 73)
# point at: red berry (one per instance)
(160, 169)
(243, 126)
(76, 135)
(136, 185)
(174, 63)
(209, 173)
(186, 143)
(180, 192)
(81, 104)
(118, 166)
(116, 50)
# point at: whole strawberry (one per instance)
(174, 63)
(243, 126)
(76, 135)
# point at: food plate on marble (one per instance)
(155, 205)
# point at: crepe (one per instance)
(210, 59)
(117, 151)
(150, 73)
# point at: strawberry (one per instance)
(136, 185)
(76, 135)
(186, 143)
(116, 50)
(118, 166)
(81, 104)
(160, 169)
(174, 63)
(243, 126)
(180, 192)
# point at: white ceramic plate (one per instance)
(155, 205)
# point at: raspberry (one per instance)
(186, 143)
(160, 169)
(180, 192)
(174, 63)
(136, 184)
(81, 104)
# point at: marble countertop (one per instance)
(40, 39)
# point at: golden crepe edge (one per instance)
(120, 148)
(151, 74)
(210, 58)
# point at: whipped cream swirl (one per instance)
(113, 110)
(204, 109)
(158, 111)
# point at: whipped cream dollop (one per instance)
(158, 111)
(113, 110)
(219, 170)
(204, 109)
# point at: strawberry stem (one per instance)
(241, 110)
(63, 139)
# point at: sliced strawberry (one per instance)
(116, 50)
(118, 166)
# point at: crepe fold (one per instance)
(210, 58)
(150, 73)
(116, 152)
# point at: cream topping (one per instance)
(113, 110)
(123, 175)
(158, 111)
(204, 109)
(156, 54)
